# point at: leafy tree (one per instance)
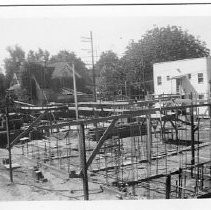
(31, 56)
(13, 63)
(41, 56)
(80, 67)
(38, 65)
(41, 73)
(25, 69)
(2, 85)
(158, 45)
(108, 74)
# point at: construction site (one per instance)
(112, 150)
(129, 126)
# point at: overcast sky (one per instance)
(113, 28)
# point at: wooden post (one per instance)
(125, 88)
(149, 138)
(168, 186)
(132, 164)
(8, 138)
(192, 137)
(148, 148)
(96, 127)
(27, 147)
(30, 140)
(202, 177)
(180, 182)
(82, 149)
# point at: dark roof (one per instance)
(62, 69)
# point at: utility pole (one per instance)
(93, 68)
(82, 145)
(75, 92)
(90, 40)
(8, 136)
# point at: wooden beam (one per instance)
(157, 176)
(149, 138)
(83, 173)
(100, 143)
(27, 130)
(46, 108)
(126, 115)
(192, 137)
(152, 159)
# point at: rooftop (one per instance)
(181, 60)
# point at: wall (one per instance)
(181, 68)
(209, 76)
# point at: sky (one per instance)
(62, 28)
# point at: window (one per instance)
(167, 78)
(159, 81)
(189, 76)
(200, 78)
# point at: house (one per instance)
(183, 77)
(60, 75)
(63, 69)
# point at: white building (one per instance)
(183, 77)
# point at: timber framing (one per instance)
(100, 143)
(157, 176)
(26, 131)
(126, 115)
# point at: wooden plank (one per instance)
(47, 108)
(83, 172)
(206, 195)
(14, 166)
(153, 158)
(125, 115)
(195, 174)
(157, 176)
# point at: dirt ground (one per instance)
(57, 187)
(60, 187)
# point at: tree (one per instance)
(108, 74)
(158, 45)
(25, 69)
(2, 85)
(41, 56)
(80, 67)
(13, 63)
(41, 67)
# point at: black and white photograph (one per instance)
(105, 102)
